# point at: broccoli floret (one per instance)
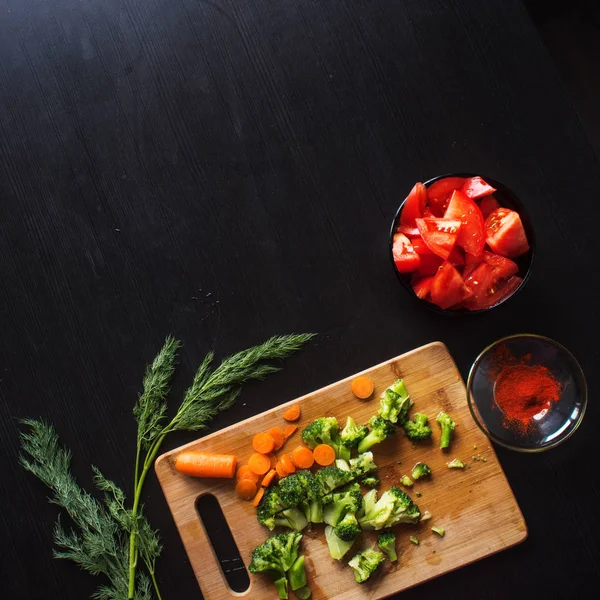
(418, 429)
(330, 478)
(370, 482)
(338, 504)
(447, 425)
(405, 480)
(275, 557)
(380, 429)
(365, 563)
(351, 436)
(348, 528)
(342, 464)
(439, 530)
(404, 511)
(420, 470)
(414, 540)
(324, 430)
(395, 403)
(387, 542)
(337, 547)
(369, 501)
(393, 507)
(362, 465)
(297, 574)
(301, 489)
(456, 463)
(293, 518)
(269, 506)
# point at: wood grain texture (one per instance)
(476, 506)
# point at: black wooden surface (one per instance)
(227, 170)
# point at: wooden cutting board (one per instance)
(476, 506)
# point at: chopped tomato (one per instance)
(475, 187)
(439, 234)
(448, 287)
(502, 267)
(457, 257)
(471, 263)
(414, 206)
(505, 233)
(471, 236)
(481, 283)
(405, 257)
(505, 289)
(429, 264)
(487, 204)
(420, 246)
(439, 192)
(422, 287)
(408, 231)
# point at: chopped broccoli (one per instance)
(338, 504)
(275, 557)
(414, 540)
(420, 470)
(342, 463)
(362, 465)
(302, 490)
(370, 482)
(447, 424)
(303, 593)
(297, 574)
(351, 436)
(393, 507)
(380, 430)
(456, 463)
(324, 430)
(293, 518)
(439, 530)
(348, 528)
(337, 547)
(406, 481)
(387, 542)
(369, 501)
(417, 429)
(269, 506)
(330, 478)
(365, 563)
(426, 516)
(395, 403)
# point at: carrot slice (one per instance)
(206, 464)
(292, 413)
(259, 463)
(362, 387)
(258, 497)
(273, 460)
(246, 472)
(287, 463)
(324, 455)
(289, 430)
(280, 469)
(303, 457)
(246, 489)
(268, 478)
(277, 435)
(263, 443)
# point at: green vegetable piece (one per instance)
(362, 465)
(351, 436)
(297, 574)
(426, 516)
(337, 547)
(324, 430)
(395, 403)
(303, 593)
(338, 504)
(380, 429)
(447, 425)
(281, 585)
(387, 542)
(394, 506)
(365, 563)
(406, 481)
(414, 540)
(420, 470)
(370, 482)
(439, 530)
(418, 429)
(456, 463)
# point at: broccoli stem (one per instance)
(297, 574)
(303, 593)
(282, 588)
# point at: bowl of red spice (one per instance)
(527, 392)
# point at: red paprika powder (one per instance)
(523, 391)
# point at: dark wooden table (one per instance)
(227, 170)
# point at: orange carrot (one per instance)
(280, 469)
(206, 464)
(362, 387)
(324, 455)
(246, 489)
(259, 463)
(258, 497)
(303, 457)
(246, 472)
(273, 460)
(289, 430)
(292, 413)
(287, 463)
(263, 443)
(277, 435)
(268, 478)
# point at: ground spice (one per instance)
(523, 392)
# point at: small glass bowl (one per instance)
(563, 417)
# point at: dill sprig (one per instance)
(108, 538)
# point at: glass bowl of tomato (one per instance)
(462, 243)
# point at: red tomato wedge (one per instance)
(429, 265)
(420, 246)
(405, 257)
(488, 204)
(502, 267)
(439, 192)
(422, 287)
(471, 236)
(481, 283)
(439, 234)
(471, 263)
(414, 206)
(505, 289)
(448, 287)
(475, 187)
(505, 234)
(457, 257)
(408, 231)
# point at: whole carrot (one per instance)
(206, 464)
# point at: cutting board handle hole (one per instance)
(223, 544)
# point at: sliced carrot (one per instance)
(273, 460)
(258, 497)
(246, 489)
(303, 457)
(290, 430)
(277, 435)
(268, 478)
(292, 413)
(362, 387)
(246, 472)
(324, 455)
(259, 463)
(287, 463)
(206, 464)
(280, 469)
(263, 443)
